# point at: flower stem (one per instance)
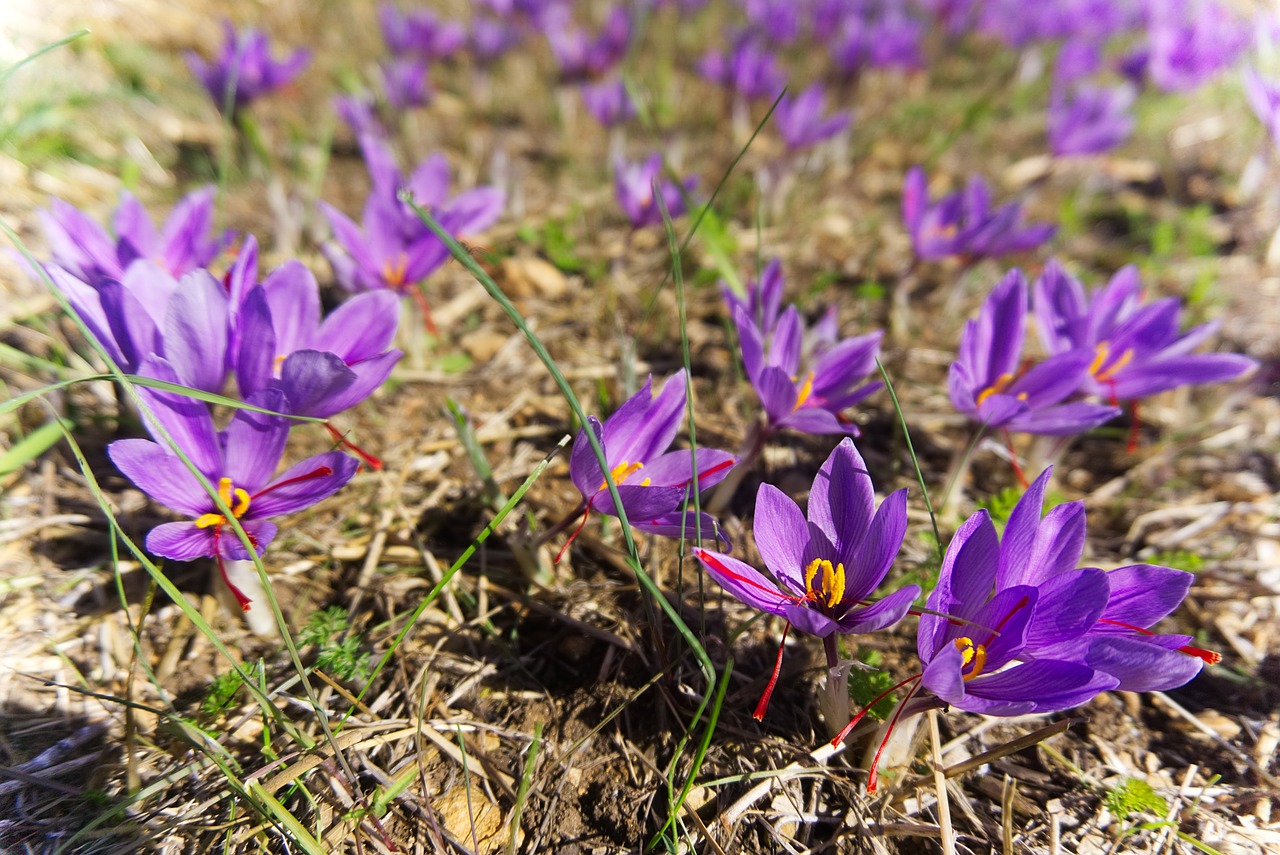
(834, 700)
(959, 470)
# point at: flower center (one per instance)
(227, 492)
(393, 272)
(622, 472)
(831, 591)
(1101, 371)
(805, 391)
(971, 654)
(1002, 382)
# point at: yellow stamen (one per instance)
(971, 654)
(622, 472)
(228, 494)
(1101, 354)
(832, 590)
(805, 391)
(394, 271)
(1002, 383)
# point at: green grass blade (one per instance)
(33, 445)
(52, 46)
(915, 461)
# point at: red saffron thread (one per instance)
(368, 459)
(763, 706)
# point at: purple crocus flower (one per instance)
(1092, 119)
(800, 120)
(244, 70)
(608, 101)
(1077, 59)
(988, 383)
(634, 185)
(419, 33)
(973, 631)
(148, 312)
(963, 223)
(392, 249)
(775, 20)
(1110, 636)
(490, 38)
(763, 301)
(824, 567)
(749, 69)
(85, 250)
(1264, 98)
(322, 367)
(1190, 42)
(239, 461)
(1137, 349)
(809, 400)
(404, 82)
(652, 482)
(580, 55)
(894, 40)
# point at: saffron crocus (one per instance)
(634, 185)
(748, 69)
(964, 223)
(419, 33)
(1090, 119)
(239, 462)
(825, 567)
(85, 249)
(652, 482)
(1137, 349)
(763, 301)
(392, 249)
(244, 71)
(988, 383)
(1190, 42)
(580, 55)
(322, 366)
(608, 101)
(1044, 551)
(360, 113)
(806, 391)
(800, 119)
(148, 312)
(404, 82)
(490, 38)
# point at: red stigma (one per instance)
(1135, 428)
(1210, 657)
(586, 513)
(368, 459)
(318, 472)
(763, 706)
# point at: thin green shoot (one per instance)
(915, 461)
(522, 793)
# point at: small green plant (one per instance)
(865, 686)
(336, 655)
(1134, 796)
(1179, 559)
(1000, 505)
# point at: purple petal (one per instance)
(361, 328)
(304, 484)
(1141, 666)
(1064, 419)
(743, 581)
(688, 525)
(781, 535)
(1068, 605)
(370, 374)
(180, 541)
(584, 467)
(160, 475)
(675, 468)
(1048, 685)
(312, 380)
(880, 545)
(256, 350)
(777, 393)
(1142, 594)
(196, 332)
(842, 501)
(642, 503)
(253, 442)
(882, 614)
(260, 533)
(186, 420)
(293, 296)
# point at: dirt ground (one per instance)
(549, 711)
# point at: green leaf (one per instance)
(1134, 795)
(33, 445)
